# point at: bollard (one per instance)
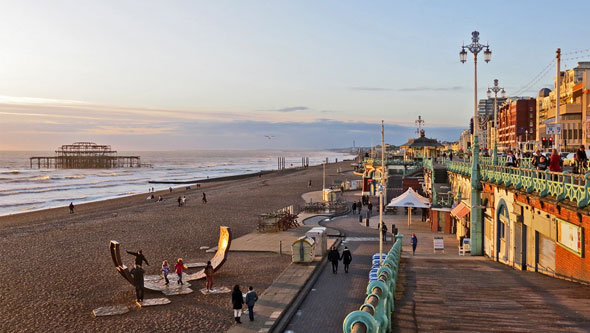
(366, 222)
(280, 247)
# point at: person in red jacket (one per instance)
(178, 268)
(555, 162)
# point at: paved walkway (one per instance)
(442, 291)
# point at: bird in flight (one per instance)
(269, 136)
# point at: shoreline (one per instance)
(156, 193)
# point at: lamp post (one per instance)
(496, 89)
(476, 222)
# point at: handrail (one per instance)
(561, 185)
(375, 315)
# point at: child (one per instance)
(165, 269)
(178, 269)
(209, 276)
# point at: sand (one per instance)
(56, 267)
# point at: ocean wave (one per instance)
(10, 172)
(39, 179)
(75, 177)
(71, 199)
(21, 204)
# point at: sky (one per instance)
(167, 75)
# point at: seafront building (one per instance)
(516, 123)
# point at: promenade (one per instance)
(442, 292)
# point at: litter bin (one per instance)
(303, 249)
(320, 237)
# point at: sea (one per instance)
(24, 189)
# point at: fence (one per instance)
(375, 315)
(561, 185)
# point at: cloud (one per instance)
(409, 89)
(370, 88)
(291, 109)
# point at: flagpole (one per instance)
(381, 193)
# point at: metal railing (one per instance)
(375, 315)
(561, 185)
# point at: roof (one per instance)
(410, 199)
(460, 211)
(422, 142)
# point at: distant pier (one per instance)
(86, 155)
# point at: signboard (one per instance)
(570, 236)
(439, 243)
(553, 128)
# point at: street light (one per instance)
(476, 219)
(495, 89)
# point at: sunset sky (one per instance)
(153, 75)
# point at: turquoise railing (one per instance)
(561, 185)
(375, 315)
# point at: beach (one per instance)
(57, 266)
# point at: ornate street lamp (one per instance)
(496, 89)
(476, 219)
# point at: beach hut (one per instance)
(303, 249)
(410, 199)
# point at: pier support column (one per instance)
(476, 216)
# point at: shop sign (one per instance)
(570, 236)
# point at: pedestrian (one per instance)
(251, 298)
(170, 189)
(414, 243)
(209, 277)
(183, 200)
(179, 201)
(424, 214)
(536, 158)
(137, 273)
(178, 268)
(384, 232)
(359, 207)
(152, 189)
(165, 270)
(581, 159)
(451, 156)
(204, 198)
(555, 162)
(71, 208)
(237, 300)
(543, 163)
(346, 258)
(159, 198)
(334, 257)
(370, 207)
(139, 258)
(309, 184)
(353, 207)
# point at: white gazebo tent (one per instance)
(410, 199)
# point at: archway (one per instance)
(502, 231)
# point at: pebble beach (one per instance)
(57, 267)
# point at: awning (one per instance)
(410, 199)
(460, 211)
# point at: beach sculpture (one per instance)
(217, 261)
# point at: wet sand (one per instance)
(56, 267)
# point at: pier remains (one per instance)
(86, 155)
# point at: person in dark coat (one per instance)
(237, 300)
(139, 258)
(414, 243)
(384, 232)
(334, 257)
(354, 207)
(71, 208)
(346, 258)
(251, 299)
(137, 273)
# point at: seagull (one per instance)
(269, 136)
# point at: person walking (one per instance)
(451, 156)
(204, 198)
(137, 274)
(179, 201)
(165, 270)
(334, 257)
(384, 232)
(71, 208)
(414, 243)
(424, 214)
(354, 208)
(309, 184)
(251, 298)
(581, 160)
(237, 303)
(370, 208)
(183, 200)
(209, 277)
(178, 268)
(346, 258)
(139, 258)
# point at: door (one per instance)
(546, 255)
(517, 262)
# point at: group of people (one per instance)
(554, 163)
(238, 301)
(334, 257)
(358, 206)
